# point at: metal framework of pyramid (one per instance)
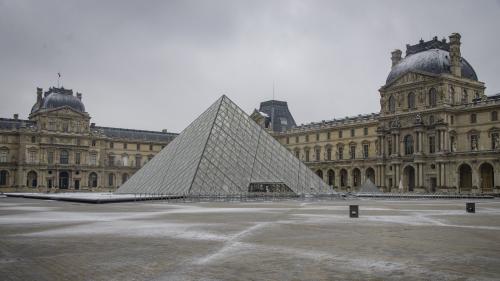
(222, 152)
(369, 187)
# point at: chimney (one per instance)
(455, 54)
(79, 96)
(39, 95)
(164, 131)
(395, 57)
(16, 116)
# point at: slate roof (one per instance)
(139, 135)
(59, 97)
(278, 112)
(435, 61)
(14, 124)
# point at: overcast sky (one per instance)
(158, 64)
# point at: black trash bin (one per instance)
(470, 207)
(353, 211)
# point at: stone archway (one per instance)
(331, 177)
(487, 177)
(320, 174)
(356, 177)
(465, 176)
(370, 174)
(32, 179)
(409, 178)
(63, 180)
(343, 178)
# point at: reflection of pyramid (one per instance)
(224, 152)
(369, 187)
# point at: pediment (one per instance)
(65, 111)
(410, 78)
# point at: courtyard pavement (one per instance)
(283, 240)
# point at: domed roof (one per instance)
(59, 97)
(435, 61)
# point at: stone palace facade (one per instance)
(58, 148)
(436, 130)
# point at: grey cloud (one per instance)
(157, 64)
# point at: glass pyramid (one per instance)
(223, 152)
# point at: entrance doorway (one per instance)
(409, 175)
(487, 177)
(77, 184)
(370, 174)
(63, 180)
(465, 177)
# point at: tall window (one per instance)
(63, 157)
(473, 118)
(297, 154)
(494, 116)
(432, 144)
(352, 151)
(111, 178)
(32, 156)
(329, 154)
(340, 134)
(296, 139)
(341, 152)
(3, 177)
(125, 146)
(65, 127)
(138, 147)
(150, 147)
(392, 104)
(432, 97)
(287, 140)
(125, 160)
(411, 100)
(3, 156)
(389, 146)
(365, 150)
(77, 158)
(353, 132)
(317, 152)
(365, 131)
(452, 119)
(307, 155)
(50, 157)
(93, 142)
(33, 139)
(328, 135)
(93, 179)
(474, 145)
(408, 141)
(307, 138)
(93, 159)
(317, 137)
(111, 145)
(138, 160)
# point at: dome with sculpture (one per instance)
(56, 98)
(429, 57)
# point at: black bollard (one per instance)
(470, 207)
(353, 211)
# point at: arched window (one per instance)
(319, 173)
(392, 104)
(408, 141)
(411, 100)
(64, 157)
(3, 177)
(93, 179)
(111, 179)
(432, 97)
(31, 180)
(331, 177)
